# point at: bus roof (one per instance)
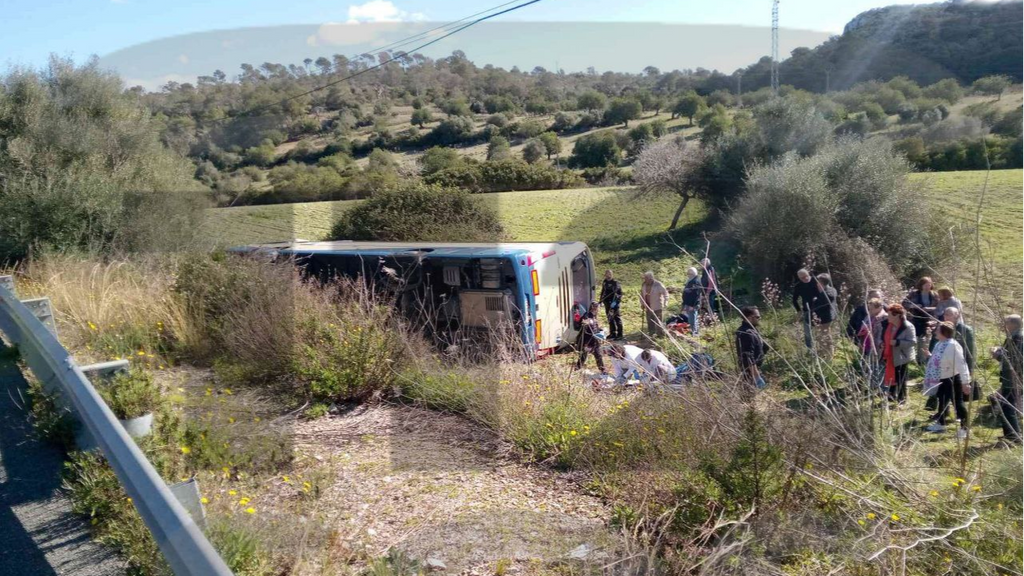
(451, 249)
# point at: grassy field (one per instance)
(1000, 238)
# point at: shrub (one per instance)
(83, 167)
(503, 175)
(851, 189)
(437, 158)
(498, 149)
(450, 131)
(595, 150)
(419, 212)
(131, 394)
(533, 151)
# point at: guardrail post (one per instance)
(42, 310)
(103, 370)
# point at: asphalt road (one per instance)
(39, 535)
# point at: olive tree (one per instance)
(668, 167)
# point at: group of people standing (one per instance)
(928, 328)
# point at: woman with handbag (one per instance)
(948, 367)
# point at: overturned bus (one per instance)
(458, 292)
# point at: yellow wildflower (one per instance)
(250, 510)
(895, 517)
(572, 433)
(871, 516)
(243, 501)
(185, 449)
(204, 500)
(227, 391)
(976, 488)
(286, 479)
(141, 353)
(92, 326)
(232, 492)
(861, 522)
(129, 499)
(934, 493)
(231, 420)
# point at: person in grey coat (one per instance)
(899, 342)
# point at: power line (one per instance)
(416, 37)
(389, 60)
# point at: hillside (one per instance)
(960, 40)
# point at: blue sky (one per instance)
(32, 29)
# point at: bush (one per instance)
(131, 394)
(533, 151)
(419, 212)
(595, 150)
(504, 175)
(498, 149)
(437, 158)
(83, 167)
(450, 131)
(849, 190)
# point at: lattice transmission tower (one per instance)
(775, 47)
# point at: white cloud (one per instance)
(183, 58)
(156, 83)
(380, 11)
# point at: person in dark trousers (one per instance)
(964, 336)
(825, 312)
(920, 305)
(709, 280)
(898, 338)
(693, 294)
(860, 315)
(1007, 403)
(805, 296)
(750, 347)
(948, 368)
(611, 297)
(588, 340)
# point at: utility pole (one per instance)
(775, 47)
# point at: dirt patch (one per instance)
(438, 487)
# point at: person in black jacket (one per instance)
(611, 297)
(588, 340)
(860, 314)
(693, 294)
(825, 312)
(805, 296)
(750, 347)
(1007, 402)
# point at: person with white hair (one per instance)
(653, 299)
(1007, 402)
(655, 367)
(947, 370)
(806, 294)
(693, 293)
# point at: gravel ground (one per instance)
(443, 491)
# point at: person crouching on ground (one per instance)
(588, 340)
(948, 367)
(750, 347)
(656, 367)
(693, 293)
(898, 341)
(625, 361)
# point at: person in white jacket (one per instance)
(625, 361)
(948, 367)
(655, 366)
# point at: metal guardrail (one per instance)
(186, 549)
